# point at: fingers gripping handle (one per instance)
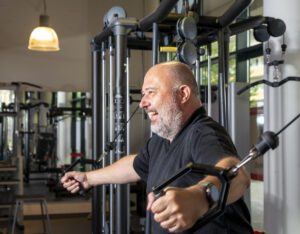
(159, 194)
(82, 191)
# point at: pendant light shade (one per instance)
(43, 38)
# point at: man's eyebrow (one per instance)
(147, 89)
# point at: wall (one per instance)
(76, 22)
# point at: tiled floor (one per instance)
(61, 225)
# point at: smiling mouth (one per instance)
(152, 115)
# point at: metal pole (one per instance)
(209, 79)
(103, 128)
(111, 131)
(197, 72)
(155, 49)
(120, 34)
(96, 135)
(73, 131)
(82, 133)
(26, 135)
(223, 44)
(128, 131)
(155, 43)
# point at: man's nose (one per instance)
(144, 102)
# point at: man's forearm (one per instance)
(120, 172)
(238, 185)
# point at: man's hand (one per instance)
(179, 208)
(74, 180)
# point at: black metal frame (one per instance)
(223, 175)
(215, 28)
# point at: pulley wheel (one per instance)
(187, 53)
(113, 13)
(261, 33)
(187, 28)
(276, 27)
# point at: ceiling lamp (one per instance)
(43, 38)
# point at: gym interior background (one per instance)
(48, 101)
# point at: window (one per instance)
(256, 72)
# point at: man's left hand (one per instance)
(179, 208)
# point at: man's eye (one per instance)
(148, 93)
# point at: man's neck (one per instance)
(185, 119)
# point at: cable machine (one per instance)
(110, 81)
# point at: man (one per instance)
(182, 133)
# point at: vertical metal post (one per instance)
(17, 144)
(73, 130)
(17, 138)
(96, 134)
(2, 137)
(61, 98)
(197, 72)
(242, 43)
(16, 121)
(128, 132)
(155, 50)
(209, 79)
(155, 43)
(111, 132)
(120, 34)
(128, 101)
(82, 133)
(223, 44)
(103, 128)
(239, 115)
(26, 137)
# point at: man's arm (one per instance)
(180, 208)
(238, 185)
(121, 171)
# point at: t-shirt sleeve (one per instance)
(141, 162)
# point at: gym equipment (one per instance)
(261, 33)
(272, 27)
(114, 13)
(110, 83)
(275, 63)
(187, 53)
(274, 84)
(119, 28)
(187, 28)
(27, 134)
(268, 140)
(276, 27)
(45, 147)
(108, 147)
(44, 210)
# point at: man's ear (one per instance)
(185, 93)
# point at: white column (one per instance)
(282, 166)
(63, 136)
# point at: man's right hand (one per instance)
(75, 180)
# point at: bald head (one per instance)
(176, 74)
(170, 97)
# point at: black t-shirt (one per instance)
(201, 140)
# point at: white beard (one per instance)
(170, 120)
